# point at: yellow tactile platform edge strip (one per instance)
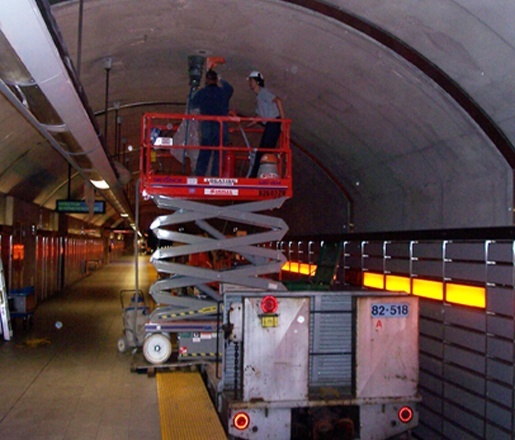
(185, 408)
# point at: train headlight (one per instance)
(405, 414)
(241, 421)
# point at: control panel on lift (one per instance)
(171, 149)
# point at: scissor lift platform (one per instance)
(170, 147)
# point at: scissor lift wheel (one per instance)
(157, 348)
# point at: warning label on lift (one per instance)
(221, 182)
(220, 192)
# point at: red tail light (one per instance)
(241, 421)
(405, 414)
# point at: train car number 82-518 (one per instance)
(389, 310)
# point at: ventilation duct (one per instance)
(35, 78)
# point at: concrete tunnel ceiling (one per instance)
(404, 108)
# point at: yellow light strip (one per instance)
(428, 289)
(374, 280)
(300, 268)
(398, 284)
(454, 293)
(466, 295)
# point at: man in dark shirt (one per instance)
(212, 100)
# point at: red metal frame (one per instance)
(166, 161)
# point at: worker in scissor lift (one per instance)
(212, 100)
(268, 106)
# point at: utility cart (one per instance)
(134, 316)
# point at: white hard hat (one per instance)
(255, 74)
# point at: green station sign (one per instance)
(80, 207)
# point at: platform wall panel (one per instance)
(499, 274)
(398, 266)
(398, 249)
(470, 251)
(501, 252)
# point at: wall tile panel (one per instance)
(501, 371)
(398, 249)
(501, 252)
(464, 358)
(465, 271)
(473, 319)
(431, 328)
(428, 268)
(460, 423)
(465, 338)
(428, 250)
(471, 402)
(495, 433)
(500, 349)
(501, 300)
(500, 326)
(499, 274)
(499, 393)
(431, 346)
(466, 379)
(398, 266)
(469, 251)
(502, 417)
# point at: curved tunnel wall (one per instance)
(448, 198)
(413, 149)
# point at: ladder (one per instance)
(5, 327)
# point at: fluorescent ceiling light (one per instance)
(100, 184)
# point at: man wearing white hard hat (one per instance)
(268, 106)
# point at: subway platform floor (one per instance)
(70, 381)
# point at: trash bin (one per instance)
(22, 303)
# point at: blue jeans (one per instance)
(210, 137)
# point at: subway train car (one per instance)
(319, 365)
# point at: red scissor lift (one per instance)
(227, 195)
(171, 146)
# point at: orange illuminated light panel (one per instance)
(465, 295)
(18, 252)
(454, 293)
(396, 283)
(428, 289)
(373, 280)
(300, 268)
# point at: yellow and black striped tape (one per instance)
(203, 311)
(197, 355)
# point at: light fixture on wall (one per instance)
(100, 184)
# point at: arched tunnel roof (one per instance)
(402, 112)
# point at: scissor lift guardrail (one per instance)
(170, 147)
